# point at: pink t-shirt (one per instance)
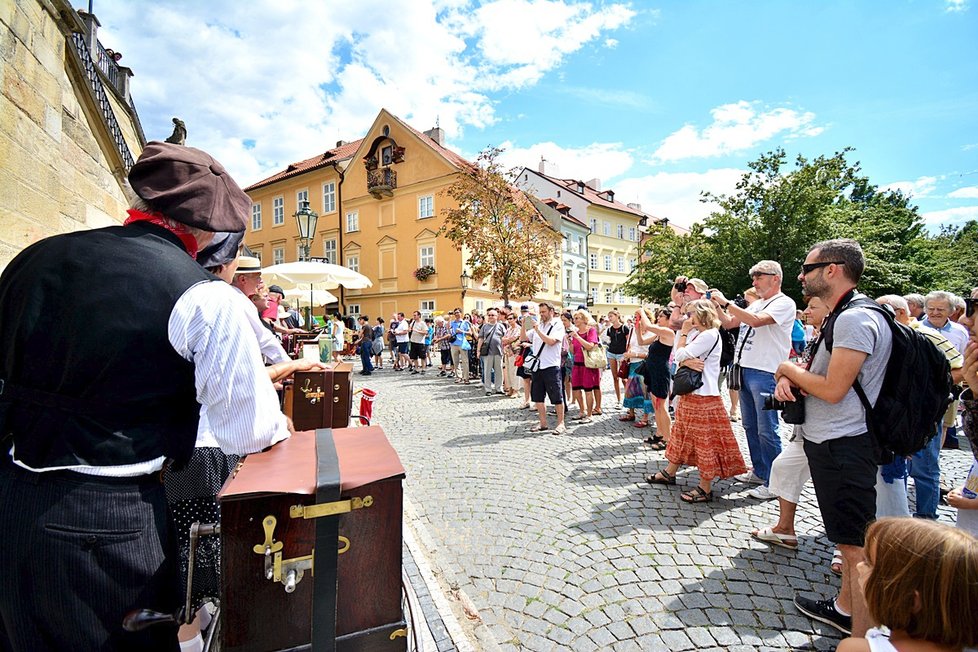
(590, 336)
(272, 311)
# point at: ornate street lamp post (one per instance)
(306, 219)
(465, 281)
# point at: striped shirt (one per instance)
(954, 357)
(239, 406)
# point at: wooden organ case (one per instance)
(270, 520)
(320, 399)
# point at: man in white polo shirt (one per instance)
(764, 343)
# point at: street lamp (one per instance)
(306, 221)
(464, 280)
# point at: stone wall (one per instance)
(59, 170)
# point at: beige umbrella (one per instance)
(318, 297)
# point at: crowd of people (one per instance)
(770, 357)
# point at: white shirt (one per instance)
(237, 400)
(634, 346)
(270, 347)
(338, 329)
(768, 346)
(697, 344)
(401, 331)
(550, 355)
(419, 331)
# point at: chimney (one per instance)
(340, 143)
(635, 207)
(437, 134)
(548, 168)
(594, 184)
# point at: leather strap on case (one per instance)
(327, 545)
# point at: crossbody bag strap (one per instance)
(750, 329)
(542, 343)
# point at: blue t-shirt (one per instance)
(798, 332)
(460, 328)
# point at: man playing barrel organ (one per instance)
(91, 406)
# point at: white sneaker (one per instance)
(748, 478)
(761, 492)
(560, 430)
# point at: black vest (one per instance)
(90, 377)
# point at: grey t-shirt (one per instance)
(859, 329)
(493, 333)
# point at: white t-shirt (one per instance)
(809, 332)
(768, 346)
(697, 344)
(550, 355)
(419, 331)
(401, 331)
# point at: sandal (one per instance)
(660, 445)
(836, 565)
(652, 440)
(640, 424)
(696, 495)
(661, 477)
(596, 413)
(627, 417)
(769, 536)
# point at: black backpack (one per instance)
(916, 387)
(729, 342)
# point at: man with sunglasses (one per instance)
(841, 453)
(763, 344)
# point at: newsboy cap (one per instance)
(221, 251)
(189, 186)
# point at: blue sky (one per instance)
(658, 100)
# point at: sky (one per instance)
(659, 100)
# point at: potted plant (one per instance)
(424, 272)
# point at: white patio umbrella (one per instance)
(303, 297)
(325, 276)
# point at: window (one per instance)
(278, 255)
(621, 232)
(387, 154)
(594, 225)
(594, 295)
(353, 262)
(427, 307)
(278, 211)
(607, 295)
(426, 206)
(632, 264)
(545, 282)
(619, 297)
(352, 221)
(329, 251)
(631, 233)
(353, 309)
(621, 264)
(606, 227)
(426, 256)
(329, 197)
(580, 281)
(257, 253)
(256, 217)
(563, 243)
(593, 261)
(568, 280)
(607, 263)
(575, 243)
(301, 196)
(480, 306)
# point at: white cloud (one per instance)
(676, 195)
(736, 127)
(968, 192)
(611, 43)
(956, 216)
(597, 160)
(954, 6)
(922, 187)
(296, 77)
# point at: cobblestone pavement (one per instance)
(561, 544)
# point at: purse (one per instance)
(623, 366)
(687, 381)
(595, 358)
(734, 378)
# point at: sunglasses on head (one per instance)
(808, 268)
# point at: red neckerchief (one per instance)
(189, 241)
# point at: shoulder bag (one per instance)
(531, 360)
(686, 380)
(595, 358)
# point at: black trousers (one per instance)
(78, 553)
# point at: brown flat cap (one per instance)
(189, 186)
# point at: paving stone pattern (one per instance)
(562, 545)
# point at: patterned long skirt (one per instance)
(702, 437)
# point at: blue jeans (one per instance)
(760, 425)
(365, 352)
(926, 473)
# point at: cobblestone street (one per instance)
(560, 543)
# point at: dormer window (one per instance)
(387, 155)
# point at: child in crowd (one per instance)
(920, 579)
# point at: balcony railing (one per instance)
(381, 182)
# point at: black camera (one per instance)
(791, 411)
(681, 286)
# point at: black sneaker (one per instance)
(824, 611)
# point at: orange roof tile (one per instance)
(328, 157)
(597, 197)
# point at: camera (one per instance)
(792, 412)
(681, 286)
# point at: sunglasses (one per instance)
(969, 307)
(757, 274)
(808, 268)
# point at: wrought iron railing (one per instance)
(91, 70)
(381, 181)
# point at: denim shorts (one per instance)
(614, 356)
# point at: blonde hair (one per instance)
(706, 313)
(924, 580)
(588, 319)
(752, 292)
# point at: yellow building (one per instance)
(389, 197)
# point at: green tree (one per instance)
(664, 255)
(506, 238)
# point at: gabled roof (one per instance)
(596, 197)
(330, 156)
(564, 211)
